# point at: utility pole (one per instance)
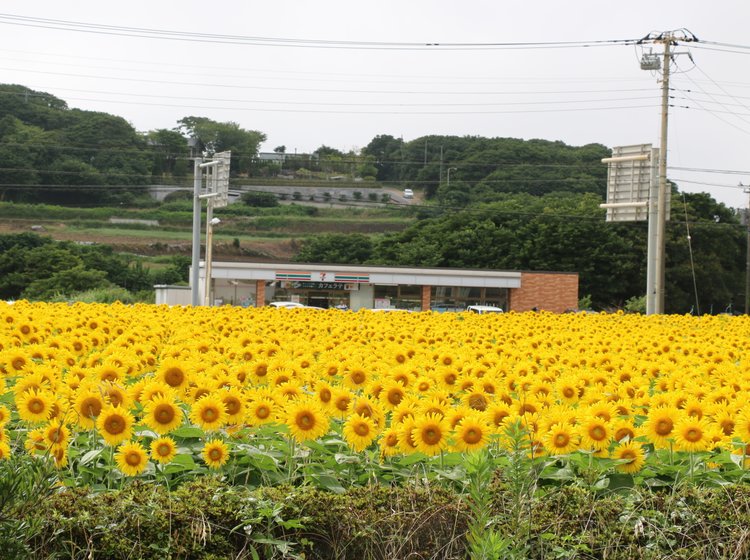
(747, 255)
(661, 204)
(667, 38)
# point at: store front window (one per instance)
(315, 294)
(398, 297)
(457, 298)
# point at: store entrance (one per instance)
(318, 299)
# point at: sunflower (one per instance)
(497, 413)
(595, 433)
(659, 424)
(359, 431)
(692, 433)
(472, 432)
(4, 450)
(88, 405)
(366, 406)
(209, 413)
(174, 373)
(35, 405)
(234, 403)
(162, 414)
(324, 393)
(4, 415)
(261, 410)
(163, 450)
(342, 401)
(430, 433)
(389, 442)
(560, 439)
(150, 389)
(476, 399)
(115, 424)
(131, 458)
(632, 455)
(392, 394)
(405, 431)
(306, 420)
(215, 453)
(355, 377)
(56, 434)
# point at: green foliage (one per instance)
(636, 304)
(213, 137)
(25, 482)
(260, 199)
(336, 248)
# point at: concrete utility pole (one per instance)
(661, 204)
(195, 270)
(746, 190)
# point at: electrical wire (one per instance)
(142, 32)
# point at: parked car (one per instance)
(286, 304)
(482, 309)
(408, 193)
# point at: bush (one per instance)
(260, 199)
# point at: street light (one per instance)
(209, 240)
(448, 184)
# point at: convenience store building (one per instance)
(379, 287)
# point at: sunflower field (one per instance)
(113, 395)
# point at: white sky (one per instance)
(304, 97)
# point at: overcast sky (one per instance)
(361, 69)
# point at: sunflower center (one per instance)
(305, 420)
(262, 412)
(431, 435)
(174, 377)
(114, 425)
(395, 396)
(664, 427)
(164, 414)
(569, 392)
(91, 407)
(693, 435)
(232, 405)
(56, 435)
(598, 433)
(36, 406)
(358, 377)
(561, 440)
(215, 454)
(472, 435)
(623, 433)
(450, 379)
(342, 404)
(362, 429)
(209, 414)
(325, 395)
(478, 402)
(727, 427)
(18, 363)
(201, 393)
(163, 450)
(391, 440)
(628, 455)
(133, 458)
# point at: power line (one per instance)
(142, 32)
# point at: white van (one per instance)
(482, 309)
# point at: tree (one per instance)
(336, 248)
(170, 150)
(260, 199)
(213, 137)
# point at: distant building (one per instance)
(374, 287)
